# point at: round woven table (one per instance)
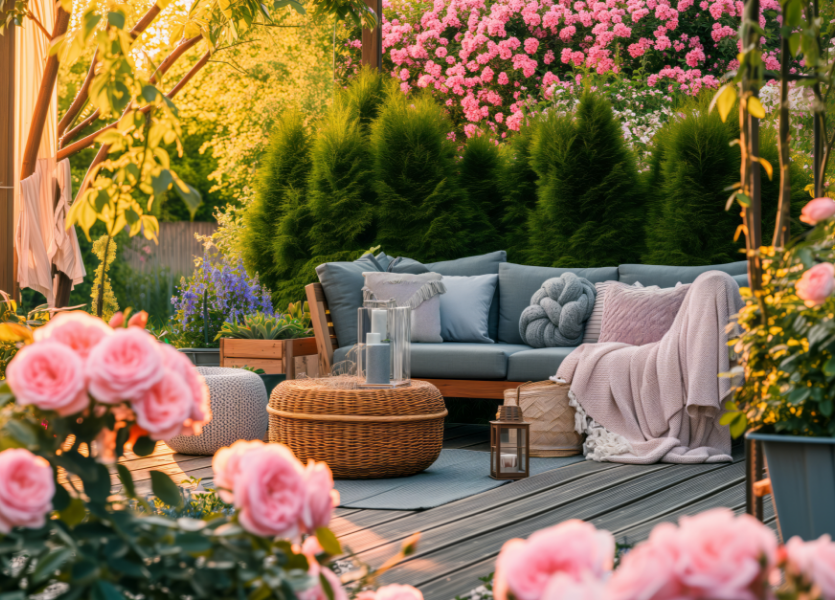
(361, 434)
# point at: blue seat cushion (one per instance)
(536, 364)
(666, 276)
(517, 283)
(451, 360)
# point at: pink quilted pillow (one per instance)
(639, 316)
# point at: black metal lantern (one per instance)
(509, 444)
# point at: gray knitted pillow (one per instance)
(558, 312)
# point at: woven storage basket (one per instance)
(545, 406)
(361, 434)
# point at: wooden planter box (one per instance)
(273, 356)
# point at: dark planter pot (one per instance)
(270, 381)
(203, 357)
(802, 473)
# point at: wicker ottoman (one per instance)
(361, 434)
(238, 401)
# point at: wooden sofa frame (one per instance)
(326, 343)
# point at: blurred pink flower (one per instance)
(201, 409)
(76, 329)
(816, 284)
(562, 586)
(398, 592)
(813, 561)
(163, 409)
(817, 210)
(49, 375)
(226, 465)
(27, 486)
(648, 571)
(320, 497)
(575, 548)
(123, 366)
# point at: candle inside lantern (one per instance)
(379, 324)
(378, 360)
(508, 461)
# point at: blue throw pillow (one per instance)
(465, 308)
(342, 282)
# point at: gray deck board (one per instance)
(365, 519)
(450, 548)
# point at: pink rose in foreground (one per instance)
(76, 329)
(50, 376)
(123, 366)
(813, 561)
(817, 210)
(163, 409)
(270, 491)
(226, 465)
(27, 486)
(524, 567)
(562, 586)
(816, 284)
(201, 410)
(310, 549)
(140, 319)
(398, 592)
(320, 498)
(117, 320)
(724, 556)
(648, 571)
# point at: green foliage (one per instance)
(283, 175)
(103, 301)
(480, 172)
(693, 164)
(340, 195)
(423, 212)
(365, 95)
(259, 326)
(517, 181)
(590, 203)
(786, 349)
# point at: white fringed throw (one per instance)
(660, 402)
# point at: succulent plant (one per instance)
(260, 326)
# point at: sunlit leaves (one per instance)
(755, 107)
(724, 100)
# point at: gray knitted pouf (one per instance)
(239, 412)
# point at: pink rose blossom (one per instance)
(201, 409)
(724, 555)
(310, 549)
(270, 492)
(320, 497)
(575, 548)
(123, 366)
(816, 284)
(163, 409)
(813, 561)
(398, 592)
(226, 465)
(117, 320)
(75, 329)
(27, 486)
(562, 586)
(817, 210)
(140, 319)
(49, 375)
(647, 572)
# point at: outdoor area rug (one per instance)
(456, 474)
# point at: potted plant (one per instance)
(787, 349)
(216, 292)
(268, 342)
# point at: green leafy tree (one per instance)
(366, 94)
(104, 302)
(590, 198)
(480, 172)
(284, 172)
(423, 213)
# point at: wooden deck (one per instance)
(460, 541)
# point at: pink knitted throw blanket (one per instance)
(660, 401)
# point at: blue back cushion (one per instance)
(666, 276)
(484, 264)
(517, 283)
(342, 282)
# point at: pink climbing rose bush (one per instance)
(487, 61)
(715, 554)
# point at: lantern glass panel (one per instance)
(512, 450)
(384, 349)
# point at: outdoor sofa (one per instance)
(472, 370)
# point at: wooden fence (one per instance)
(176, 250)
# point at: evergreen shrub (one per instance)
(693, 165)
(423, 211)
(591, 201)
(517, 184)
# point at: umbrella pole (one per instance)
(8, 281)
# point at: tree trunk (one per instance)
(749, 145)
(782, 228)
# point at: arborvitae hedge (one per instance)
(689, 178)
(517, 184)
(480, 175)
(423, 211)
(591, 200)
(366, 94)
(283, 172)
